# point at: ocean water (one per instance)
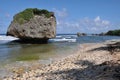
(16, 54)
(62, 45)
(11, 51)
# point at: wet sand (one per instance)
(92, 61)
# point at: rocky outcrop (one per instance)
(38, 28)
(81, 34)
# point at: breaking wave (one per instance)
(8, 38)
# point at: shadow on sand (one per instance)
(112, 48)
(108, 70)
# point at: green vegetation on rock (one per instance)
(113, 32)
(42, 12)
(29, 13)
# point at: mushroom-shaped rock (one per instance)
(33, 25)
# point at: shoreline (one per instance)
(82, 65)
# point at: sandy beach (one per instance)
(91, 61)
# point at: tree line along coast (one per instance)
(109, 33)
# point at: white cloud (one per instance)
(105, 22)
(97, 19)
(86, 25)
(94, 28)
(7, 15)
(99, 22)
(60, 13)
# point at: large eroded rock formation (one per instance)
(33, 25)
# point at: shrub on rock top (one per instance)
(33, 24)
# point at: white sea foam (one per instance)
(63, 40)
(58, 36)
(8, 38)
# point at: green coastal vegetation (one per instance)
(113, 32)
(29, 13)
(110, 33)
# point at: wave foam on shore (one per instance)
(9, 38)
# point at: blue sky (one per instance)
(89, 16)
